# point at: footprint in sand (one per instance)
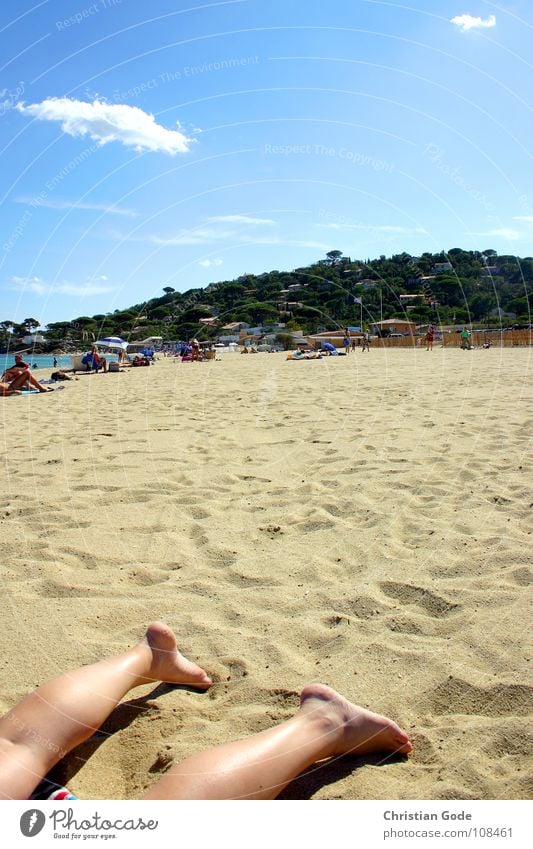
(410, 594)
(236, 667)
(457, 696)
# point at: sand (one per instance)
(363, 521)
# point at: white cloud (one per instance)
(209, 263)
(112, 209)
(108, 122)
(374, 228)
(31, 284)
(500, 233)
(466, 22)
(237, 230)
(528, 218)
(200, 236)
(241, 219)
(288, 243)
(76, 290)
(203, 237)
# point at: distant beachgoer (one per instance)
(55, 362)
(487, 344)
(195, 349)
(366, 343)
(100, 362)
(66, 711)
(430, 335)
(346, 341)
(355, 343)
(465, 339)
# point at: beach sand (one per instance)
(363, 521)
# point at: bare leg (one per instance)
(64, 712)
(327, 725)
(26, 379)
(6, 390)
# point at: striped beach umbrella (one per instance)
(113, 342)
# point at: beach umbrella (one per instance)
(113, 342)
(327, 346)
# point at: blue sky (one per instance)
(181, 143)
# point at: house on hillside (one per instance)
(235, 326)
(334, 337)
(395, 326)
(416, 296)
(411, 302)
(489, 271)
(34, 339)
(209, 322)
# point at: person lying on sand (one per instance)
(63, 713)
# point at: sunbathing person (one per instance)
(66, 711)
(16, 379)
(18, 366)
(19, 363)
(5, 390)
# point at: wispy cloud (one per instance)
(287, 243)
(500, 233)
(234, 229)
(241, 219)
(29, 284)
(210, 263)
(466, 22)
(209, 236)
(112, 209)
(77, 290)
(378, 228)
(108, 122)
(528, 218)
(200, 236)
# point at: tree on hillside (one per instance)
(6, 328)
(31, 324)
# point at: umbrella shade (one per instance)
(112, 342)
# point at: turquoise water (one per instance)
(43, 361)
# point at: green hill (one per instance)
(452, 287)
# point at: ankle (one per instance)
(138, 662)
(324, 727)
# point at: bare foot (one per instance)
(355, 730)
(167, 663)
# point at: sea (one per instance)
(44, 361)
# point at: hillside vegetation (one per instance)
(453, 287)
